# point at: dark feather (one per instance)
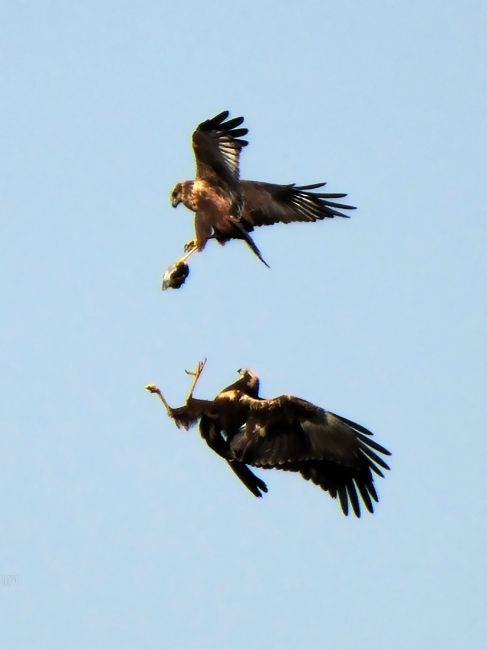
(373, 456)
(267, 203)
(352, 494)
(342, 495)
(354, 425)
(365, 496)
(250, 242)
(374, 445)
(217, 147)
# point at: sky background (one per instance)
(118, 530)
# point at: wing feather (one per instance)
(217, 144)
(342, 495)
(292, 434)
(352, 495)
(365, 495)
(267, 203)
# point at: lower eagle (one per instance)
(286, 433)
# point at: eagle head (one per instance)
(177, 195)
(250, 380)
(183, 193)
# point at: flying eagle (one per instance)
(285, 433)
(228, 208)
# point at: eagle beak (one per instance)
(175, 201)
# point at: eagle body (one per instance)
(229, 208)
(200, 196)
(290, 434)
(203, 198)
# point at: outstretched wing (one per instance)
(335, 453)
(217, 144)
(268, 203)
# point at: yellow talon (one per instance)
(196, 374)
(189, 245)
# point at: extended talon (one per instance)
(190, 248)
(189, 245)
(152, 388)
(196, 375)
(199, 369)
(176, 274)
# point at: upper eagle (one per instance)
(285, 433)
(229, 208)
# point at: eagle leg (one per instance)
(196, 375)
(189, 252)
(152, 388)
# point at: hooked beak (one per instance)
(175, 201)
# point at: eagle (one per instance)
(229, 208)
(287, 433)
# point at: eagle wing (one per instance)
(335, 453)
(217, 144)
(267, 203)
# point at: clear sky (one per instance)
(121, 531)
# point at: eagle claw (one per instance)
(189, 245)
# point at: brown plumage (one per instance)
(228, 208)
(285, 433)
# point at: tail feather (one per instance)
(250, 242)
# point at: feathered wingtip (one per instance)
(220, 123)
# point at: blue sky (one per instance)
(122, 531)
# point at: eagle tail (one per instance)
(250, 242)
